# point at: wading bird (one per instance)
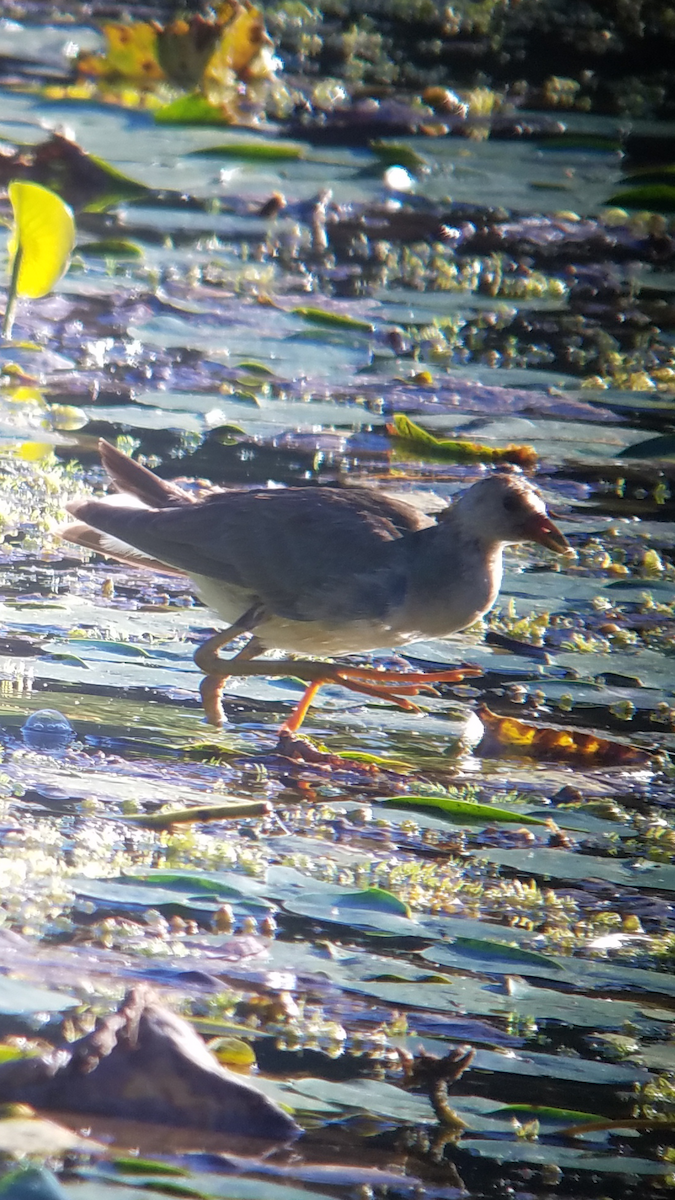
(318, 570)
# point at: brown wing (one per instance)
(306, 553)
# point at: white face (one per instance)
(503, 508)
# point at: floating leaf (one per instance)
(254, 152)
(34, 1183)
(113, 248)
(656, 197)
(411, 437)
(358, 910)
(516, 954)
(146, 1166)
(398, 154)
(465, 809)
(376, 899)
(255, 368)
(320, 316)
(82, 180)
(506, 735)
(194, 109)
(233, 1052)
(657, 447)
(543, 1112)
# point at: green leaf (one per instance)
(255, 368)
(464, 808)
(193, 109)
(32, 1183)
(543, 1112)
(254, 151)
(656, 197)
(500, 950)
(319, 316)
(397, 154)
(377, 899)
(145, 1166)
(124, 649)
(113, 248)
(409, 436)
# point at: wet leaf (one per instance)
(193, 109)
(233, 1052)
(506, 735)
(657, 447)
(401, 155)
(377, 900)
(254, 152)
(465, 809)
(234, 811)
(320, 316)
(22, 998)
(145, 1166)
(31, 1183)
(411, 438)
(113, 248)
(656, 197)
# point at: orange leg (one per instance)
(385, 685)
(394, 686)
(211, 686)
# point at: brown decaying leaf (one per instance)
(506, 735)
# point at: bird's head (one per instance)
(505, 508)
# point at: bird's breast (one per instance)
(300, 637)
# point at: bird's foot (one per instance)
(396, 686)
(301, 749)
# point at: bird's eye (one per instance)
(512, 504)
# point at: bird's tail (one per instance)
(129, 476)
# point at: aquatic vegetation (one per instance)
(318, 917)
(40, 247)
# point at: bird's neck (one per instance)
(455, 579)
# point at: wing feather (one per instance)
(307, 553)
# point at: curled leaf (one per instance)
(43, 238)
(409, 437)
(506, 735)
(320, 316)
(235, 810)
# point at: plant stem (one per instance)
(10, 310)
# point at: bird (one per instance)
(318, 570)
